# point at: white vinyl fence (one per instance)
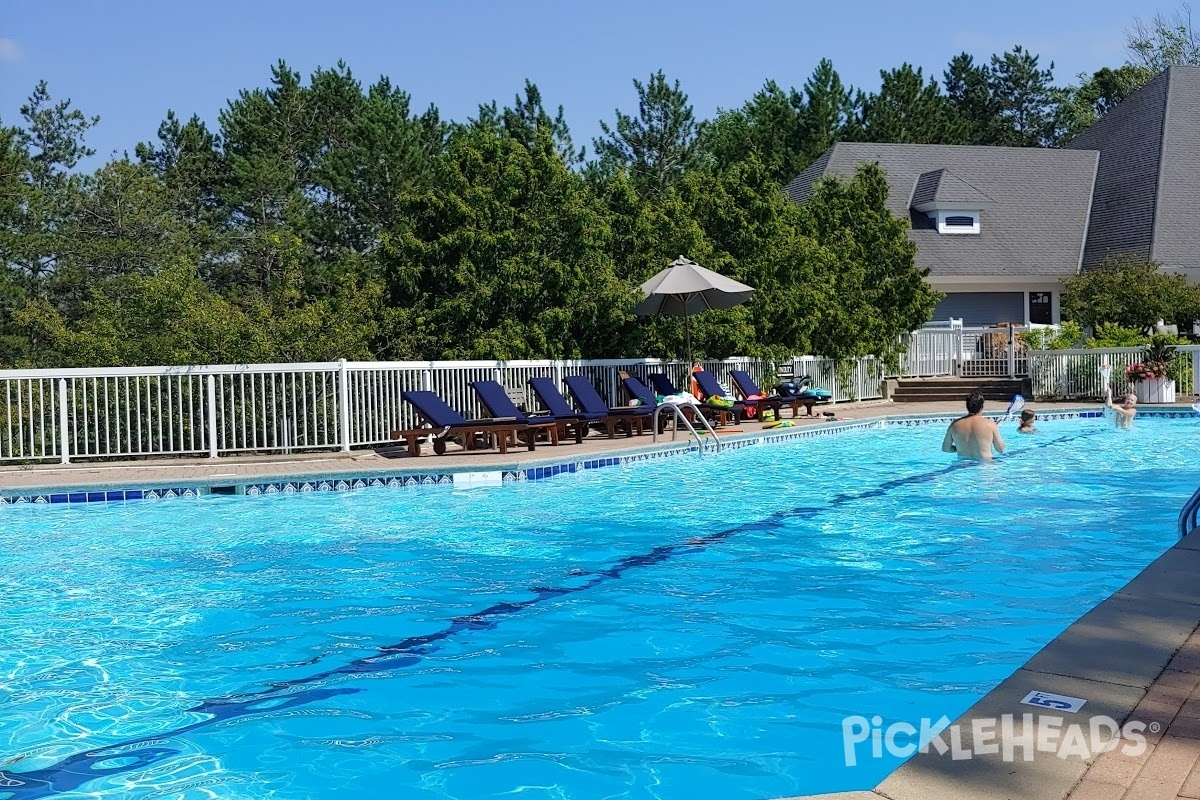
(124, 412)
(1075, 374)
(130, 412)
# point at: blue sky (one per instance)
(131, 60)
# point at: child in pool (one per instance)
(1026, 423)
(1123, 413)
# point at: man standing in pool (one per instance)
(974, 435)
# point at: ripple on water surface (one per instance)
(684, 628)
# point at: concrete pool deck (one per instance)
(393, 458)
(234, 469)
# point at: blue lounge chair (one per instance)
(496, 402)
(552, 400)
(664, 386)
(662, 383)
(742, 409)
(744, 385)
(590, 402)
(449, 424)
(647, 399)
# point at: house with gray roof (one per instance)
(1001, 228)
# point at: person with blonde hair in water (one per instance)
(1124, 413)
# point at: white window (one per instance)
(957, 221)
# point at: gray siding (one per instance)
(982, 308)
(1129, 139)
(1177, 216)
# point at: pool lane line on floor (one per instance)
(73, 771)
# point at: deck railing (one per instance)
(133, 412)
(1075, 374)
(210, 410)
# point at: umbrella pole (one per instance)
(687, 326)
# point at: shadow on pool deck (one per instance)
(1134, 657)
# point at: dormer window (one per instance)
(949, 202)
(952, 222)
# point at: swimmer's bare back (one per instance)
(973, 436)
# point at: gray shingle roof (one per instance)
(1034, 224)
(1148, 184)
(1129, 139)
(943, 189)
(1177, 218)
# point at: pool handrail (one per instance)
(1188, 514)
(679, 417)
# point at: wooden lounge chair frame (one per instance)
(572, 426)
(500, 430)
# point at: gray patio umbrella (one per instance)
(685, 288)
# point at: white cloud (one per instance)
(9, 50)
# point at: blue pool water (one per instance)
(675, 629)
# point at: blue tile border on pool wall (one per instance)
(353, 482)
(47, 497)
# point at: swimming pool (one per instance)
(681, 628)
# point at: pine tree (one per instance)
(907, 110)
(1024, 93)
(658, 145)
(527, 117)
(828, 106)
(969, 94)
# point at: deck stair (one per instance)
(926, 390)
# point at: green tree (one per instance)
(528, 116)
(907, 110)
(754, 234)
(269, 140)
(123, 223)
(1026, 97)
(1164, 41)
(504, 257)
(14, 198)
(384, 150)
(172, 317)
(53, 135)
(1129, 292)
(770, 126)
(52, 139)
(877, 291)
(828, 106)
(969, 94)
(658, 145)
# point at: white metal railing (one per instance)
(1187, 514)
(932, 352)
(125, 412)
(679, 417)
(208, 410)
(1071, 374)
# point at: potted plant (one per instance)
(1153, 377)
